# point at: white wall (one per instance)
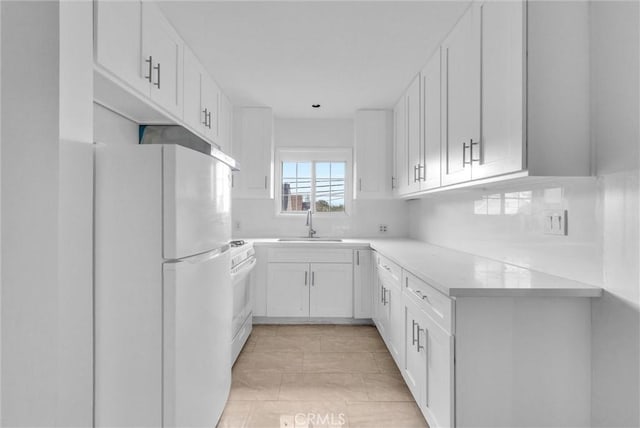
(257, 217)
(603, 240)
(111, 128)
(30, 186)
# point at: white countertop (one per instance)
(458, 274)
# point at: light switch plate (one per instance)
(555, 222)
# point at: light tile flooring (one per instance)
(318, 376)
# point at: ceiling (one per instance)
(344, 55)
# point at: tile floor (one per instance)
(318, 376)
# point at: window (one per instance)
(316, 180)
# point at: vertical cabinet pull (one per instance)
(465, 162)
(209, 120)
(150, 62)
(313, 278)
(413, 332)
(357, 258)
(205, 111)
(265, 181)
(305, 278)
(475, 143)
(393, 182)
(360, 184)
(420, 347)
(157, 68)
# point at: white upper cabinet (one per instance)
(501, 148)
(429, 174)
(225, 123)
(162, 52)
(253, 149)
(461, 83)
(400, 147)
(201, 98)
(373, 154)
(414, 141)
(118, 30)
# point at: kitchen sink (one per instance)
(309, 240)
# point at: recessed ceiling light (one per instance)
(315, 105)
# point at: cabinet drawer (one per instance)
(385, 265)
(438, 306)
(303, 255)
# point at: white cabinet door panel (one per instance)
(501, 148)
(288, 290)
(118, 28)
(431, 104)
(461, 71)
(331, 292)
(414, 140)
(363, 286)
(440, 374)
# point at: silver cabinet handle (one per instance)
(358, 258)
(475, 143)
(265, 181)
(381, 294)
(421, 176)
(360, 184)
(305, 278)
(205, 116)
(313, 278)
(464, 155)
(209, 120)
(386, 301)
(420, 347)
(157, 67)
(393, 182)
(413, 332)
(150, 62)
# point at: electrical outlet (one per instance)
(555, 222)
(382, 228)
(237, 225)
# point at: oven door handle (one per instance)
(243, 267)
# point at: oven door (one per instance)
(240, 281)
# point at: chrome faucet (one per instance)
(310, 224)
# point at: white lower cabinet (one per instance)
(428, 367)
(363, 284)
(310, 290)
(389, 309)
(288, 290)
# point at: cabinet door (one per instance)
(414, 142)
(372, 153)
(381, 307)
(162, 48)
(396, 324)
(438, 400)
(461, 86)
(363, 287)
(414, 369)
(429, 172)
(194, 114)
(288, 290)
(400, 147)
(118, 27)
(253, 148)
(211, 102)
(501, 148)
(225, 124)
(331, 292)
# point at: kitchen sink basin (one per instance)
(309, 240)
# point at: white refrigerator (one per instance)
(162, 295)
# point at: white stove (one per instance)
(243, 261)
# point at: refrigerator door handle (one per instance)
(203, 257)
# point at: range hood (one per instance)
(175, 134)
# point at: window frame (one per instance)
(314, 155)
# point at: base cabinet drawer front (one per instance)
(439, 307)
(288, 290)
(310, 290)
(392, 269)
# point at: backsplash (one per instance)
(257, 218)
(509, 225)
